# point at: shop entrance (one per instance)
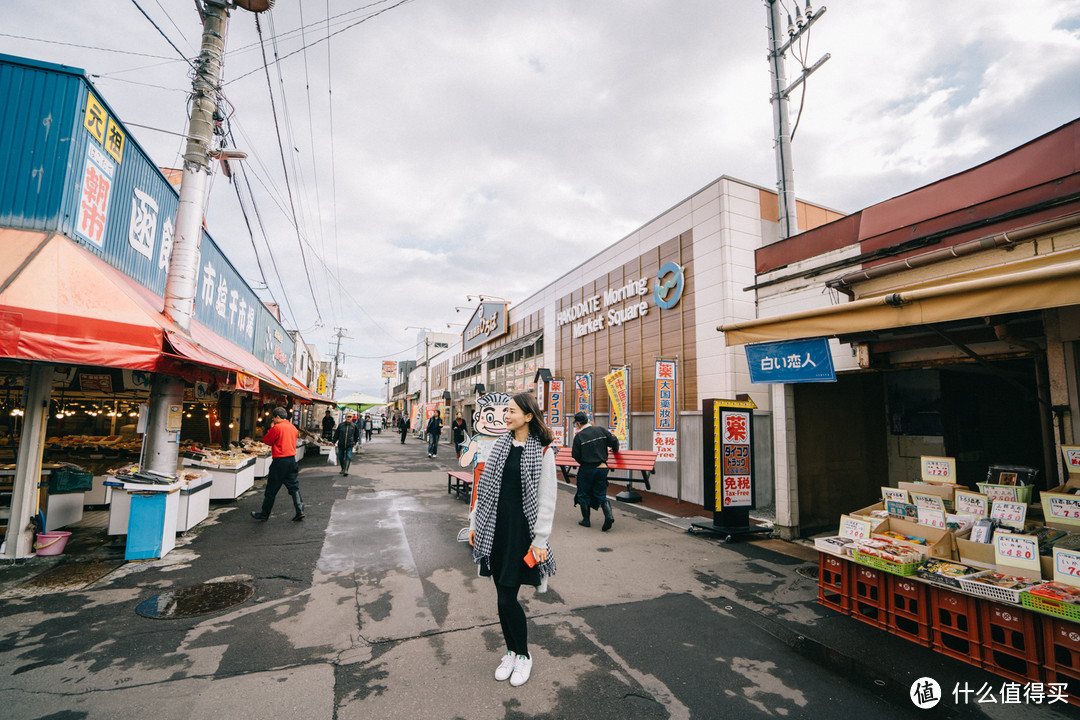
(991, 417)
(840, 431)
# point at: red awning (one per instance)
(62, 304)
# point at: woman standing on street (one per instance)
(515, 506)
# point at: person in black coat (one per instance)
(590, 449)
(459, 430)
(328, 425)
(403, 427)
(434, 430)
(346, 437)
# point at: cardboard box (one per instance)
(945, 491)
(939, 542)
(865, 512)
(973, 553)
(1061, 494)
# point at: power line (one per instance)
(178, 52)
(330, 35)
(285, 169)
(89, 47)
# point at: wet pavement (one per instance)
(370, 608)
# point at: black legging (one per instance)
(512, 619)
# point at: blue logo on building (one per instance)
(669, 286)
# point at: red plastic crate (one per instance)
(1011, 630)
(908, 599)
(954, 613)
(912, 630)
(834, 582)
(1061, 644)
(1072, 689)
(1011, 666)
(868, 596)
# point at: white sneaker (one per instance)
(522, 669)
(505, 667)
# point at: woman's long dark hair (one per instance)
(526, 402)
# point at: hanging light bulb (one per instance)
(217, 424)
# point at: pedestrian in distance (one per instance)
(403, 427)
(590, 450)
(368, 427)
(328, 425)
(510, 526)
(434, 430)
(346, 437)
(459, 431)
(281, 437)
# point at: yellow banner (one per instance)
(618, 393)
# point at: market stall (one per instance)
(991, 578)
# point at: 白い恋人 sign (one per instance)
(791, 361)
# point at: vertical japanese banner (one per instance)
(417, 409)
(665, 411)
(734, 487)
(583, 400)
(97, 182)
(619, 393)
(555, 412)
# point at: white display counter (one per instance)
(229, 483)
(63, 510)
(262, 465)
(101, 494)
(194, 504)
(147, 514)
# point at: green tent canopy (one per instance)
(359, 402)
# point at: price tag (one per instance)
(894, 494)
(1006, 493)
(934, 517)
(938, 469)
(1012, 514)
(1072, 458)
(969, 503)
(1066, 508)
(1067, 566)
(855, 528)
(925, 500)
(1017, 551)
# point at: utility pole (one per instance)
(161, 445)
(785, 175)
(337, 356)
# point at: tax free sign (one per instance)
(791, 361)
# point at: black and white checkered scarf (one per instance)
(487, 496)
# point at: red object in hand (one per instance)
(530, 560)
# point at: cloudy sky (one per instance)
(438, 149)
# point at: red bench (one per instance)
(460, 482)
(641, 461)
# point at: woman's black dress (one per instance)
(512, 538)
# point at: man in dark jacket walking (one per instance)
(434, 430)
(328, 425)
(346, 436)
(590, 449)
(403, 427)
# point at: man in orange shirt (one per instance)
(281, 437)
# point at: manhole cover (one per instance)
(808, 572)
(196, 600)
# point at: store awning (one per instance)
(60, 303)
(1040, 288)
(467, 365)
(515, 345)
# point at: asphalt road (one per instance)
(370, 608)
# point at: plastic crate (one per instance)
(868, 595)
(1011, 630)
(908, 599)
(1069, 611)
(1061, 644)
(834, 583)
(888, 566)
(955, 613)
(990, 592)
(1010, 666)
(1023, 492)
(1071, 682)
(909, 629)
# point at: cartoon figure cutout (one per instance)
(489, 424)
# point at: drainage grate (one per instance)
(808, 572)
(196, 600)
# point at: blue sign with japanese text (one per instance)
(791, 361)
